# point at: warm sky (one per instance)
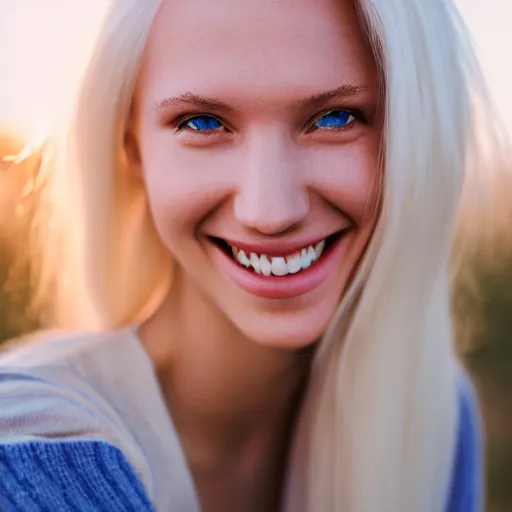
(35, 48)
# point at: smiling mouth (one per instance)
(279, 266)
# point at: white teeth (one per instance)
(293, 264)
(243, 259)
(255, 262)
(266, 266)
(319, 249)
(280, 265)
(305, 260)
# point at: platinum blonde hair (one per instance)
(379, 424)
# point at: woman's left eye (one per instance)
(333, 120)
(201, 124)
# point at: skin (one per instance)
(228, 361)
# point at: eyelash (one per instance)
(181, 123)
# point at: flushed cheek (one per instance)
(167, 156)
(182, 191)
(181, 205)
(346, 177)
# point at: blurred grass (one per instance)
(485, 305)
(7, 329)
(482, 307)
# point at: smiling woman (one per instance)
(252, 204)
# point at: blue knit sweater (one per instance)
(67, 472)
(94, 476)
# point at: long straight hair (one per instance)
(377, 431)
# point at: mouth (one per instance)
(265, 265)
(271, 275)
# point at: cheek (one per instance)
(182, 185)
(348, 177)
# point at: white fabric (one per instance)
(101, 387)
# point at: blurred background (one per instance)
(40, 51)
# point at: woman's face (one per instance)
(258, 129)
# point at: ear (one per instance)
(131, 150)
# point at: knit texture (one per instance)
(85, 476)
(91, 476)
(84, 428)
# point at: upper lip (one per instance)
(277, 248)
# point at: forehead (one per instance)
(256, 48)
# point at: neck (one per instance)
(230, 396)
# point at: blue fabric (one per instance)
(92, 476)
(79, 476)
(6, 505)
(467, 486)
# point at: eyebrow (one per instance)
(193, 100)
(340, 93)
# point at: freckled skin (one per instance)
(264, 177)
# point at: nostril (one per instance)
(271, 213)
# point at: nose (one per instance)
(272, 197)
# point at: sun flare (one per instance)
(40, 56)
(36, 140)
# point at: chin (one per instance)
(288, 331)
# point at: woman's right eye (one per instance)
(202, 124)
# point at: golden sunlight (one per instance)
(40, 54)
(38, 135)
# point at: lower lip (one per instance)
(292, 285)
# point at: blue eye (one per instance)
(202, 124)
(335, 119)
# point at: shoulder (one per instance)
(54, 386)
(38, 371)
(55, 419)
(466, 493)
(41, 348)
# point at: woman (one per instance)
(249, 221)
